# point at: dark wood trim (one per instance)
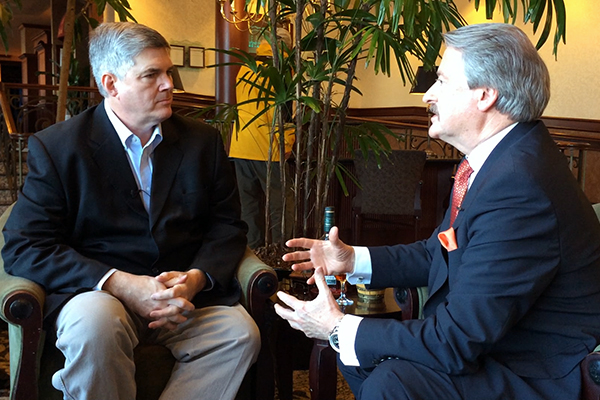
(412, 112)
(562, 128)
(392, 112)
(573, 124)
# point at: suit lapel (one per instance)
(513, 136)
(167, 159)
(488, 166)
(112, 160)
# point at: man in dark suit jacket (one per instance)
(514, 277)
(130, 220)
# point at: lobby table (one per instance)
(322, 360)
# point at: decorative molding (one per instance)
(573, 124)
(419, 114)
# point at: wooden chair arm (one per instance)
(411, 301)
(590, 376)
(22, 304)
(259, 282)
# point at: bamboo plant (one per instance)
(331, 37)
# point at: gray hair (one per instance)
(114, 46)
(501, 56)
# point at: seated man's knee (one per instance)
(249, 337)
(96, 317)
(244, 333)
(383, 383)
(402, 379)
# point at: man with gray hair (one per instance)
(130, 220)
(513, 271)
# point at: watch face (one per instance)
(333, 340)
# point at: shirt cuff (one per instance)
(346, 337)
(104, 279)
(210, 283)
(362, 267)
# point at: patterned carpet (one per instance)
(302, 391)
(4, 361)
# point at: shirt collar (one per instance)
(482, 151)
(125, 135)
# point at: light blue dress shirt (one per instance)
(140, 158)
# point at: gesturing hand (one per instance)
(333, 255)
(315, 318)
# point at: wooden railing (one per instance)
(27, 109)
(575, 137)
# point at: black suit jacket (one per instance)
(80, 214)
(523, 287)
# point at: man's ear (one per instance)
(109, 82)
(486, 98)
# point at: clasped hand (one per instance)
(163, 299)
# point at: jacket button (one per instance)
(155, 271)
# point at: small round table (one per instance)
(322, 373)
(323, 359)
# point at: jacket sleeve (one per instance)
(224, 240)
(508, 253)
(37, 232)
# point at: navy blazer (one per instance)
(523, 287)
(80, 213)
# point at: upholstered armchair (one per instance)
(411, 301)
(33, 360)
(390, 193)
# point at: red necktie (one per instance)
(461, 183)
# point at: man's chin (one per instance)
(167, 110)
(163, 114)
(433, 132)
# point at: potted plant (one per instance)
(318, 76)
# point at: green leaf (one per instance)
(547, 26)
(561, 24)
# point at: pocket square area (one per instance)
(448, 239)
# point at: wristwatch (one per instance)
(333, 339)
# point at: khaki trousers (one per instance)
(214, 348)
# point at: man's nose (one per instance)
(167, 82)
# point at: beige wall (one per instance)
(186, 23)
(574, 75)
(575, 80)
